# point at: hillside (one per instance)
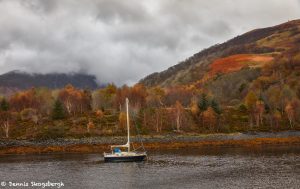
(15, 80)
(253, 50)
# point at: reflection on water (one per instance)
(276, 167)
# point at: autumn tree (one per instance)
(291, 110)
(155, 97)
(290, 113)
(69, 96)
(39, 99)
(90, 126)
(122, 120)
(74, 100)
(277, 117)
(155, 104)
(45, 101)
(121, 94)
(286, 95)
(158, 119)
(5, 121)
(24, 99)
(209, 117)
(181, 94)
(258, 112)
(138, 94)
(250, 102)
(271, 100)
(86, 100)
(99, 114)
(30, 114)
(104, 98)
(179, 113)
(194, 106)
(5, 116)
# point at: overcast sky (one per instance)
(122, 41)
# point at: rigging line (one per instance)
(138, 134)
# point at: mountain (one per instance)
(16, 80)
(243, 55)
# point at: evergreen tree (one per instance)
(4, 106)
(242, 87)
(58, 111)
(203, 103)
(216, 107)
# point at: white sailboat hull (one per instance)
(125, 157)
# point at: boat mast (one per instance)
(128, 134)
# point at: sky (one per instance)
(123, 41)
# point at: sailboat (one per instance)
(117, 155)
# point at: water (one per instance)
(275, 167)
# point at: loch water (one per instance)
(257, 167)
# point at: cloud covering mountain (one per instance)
(122, 41)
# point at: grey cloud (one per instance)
(43, 6)
(121, 11)
(123, 41)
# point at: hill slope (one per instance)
(20, 80)
(253, 49)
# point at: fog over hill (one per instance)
(23, 80)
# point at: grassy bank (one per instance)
(99, 145)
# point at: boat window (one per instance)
(117, 150)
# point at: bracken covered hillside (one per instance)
(252, 50)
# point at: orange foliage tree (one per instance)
(136, 95)
(194, 107)
(122, 120)
(25, 99)
(5, 119)
(90, 126)
(74, 100)
(181, 94)
(277, 117)
(209, 118)
(259, 111)
(292, 109)
(104, 98)
(250, 102)
(179, 114)
(155, 105)
(121, 94)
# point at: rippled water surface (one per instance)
(275, 167)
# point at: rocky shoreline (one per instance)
(99, 144)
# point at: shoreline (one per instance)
(101, 144)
